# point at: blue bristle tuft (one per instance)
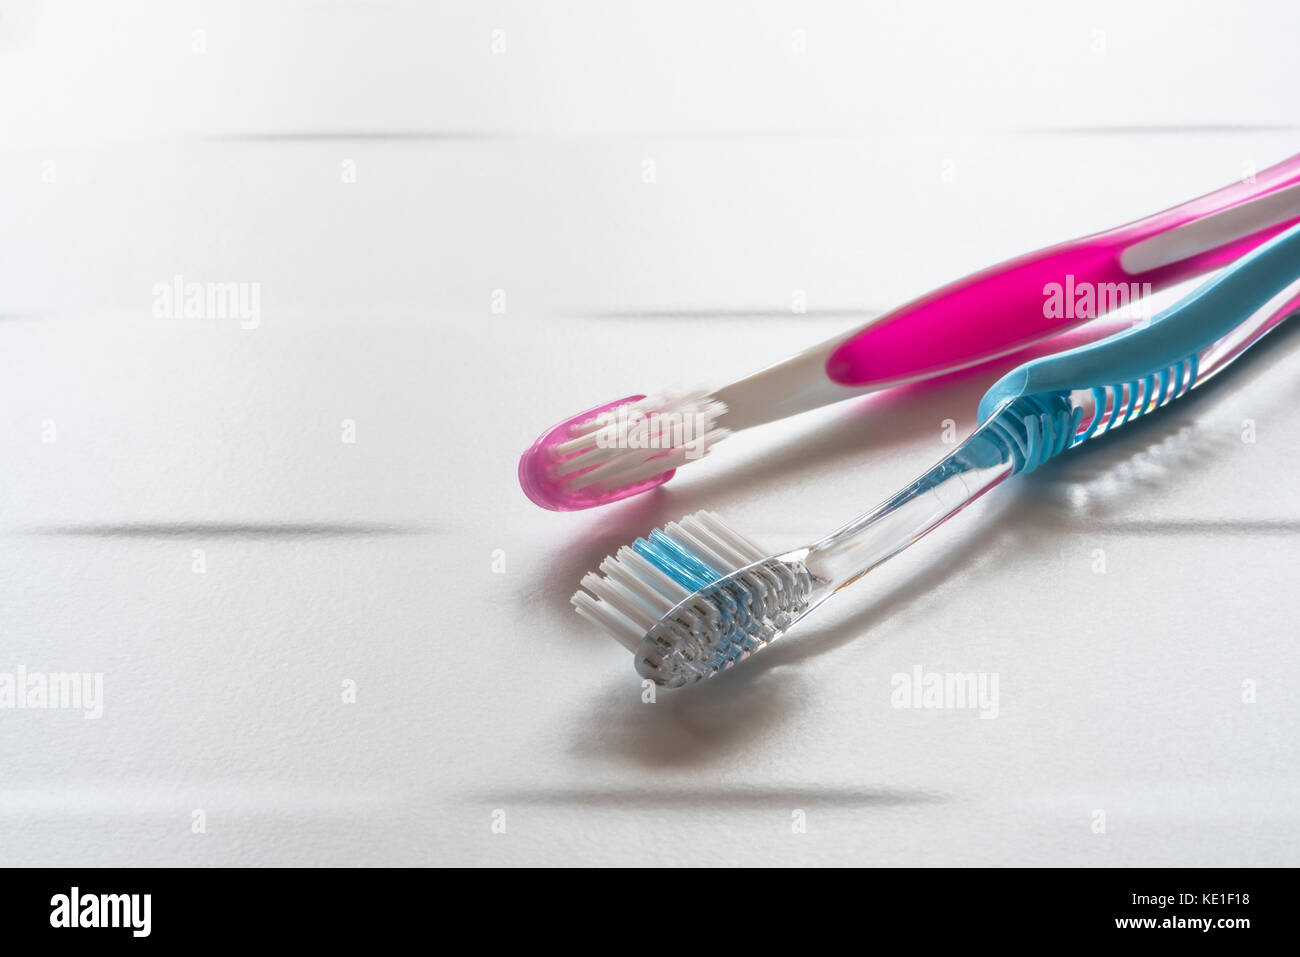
(676, 561)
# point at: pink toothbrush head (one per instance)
(617, 450)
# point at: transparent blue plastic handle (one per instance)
(1172, 338)
(1046, 406)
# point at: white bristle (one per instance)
(640, 440)
(719, 541)
(600, 614)
(726, 533)
(630, 595)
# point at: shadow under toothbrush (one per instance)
(685, 729)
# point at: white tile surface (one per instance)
(373, 561)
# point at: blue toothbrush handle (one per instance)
(1058, 401)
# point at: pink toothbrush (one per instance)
(633, 444)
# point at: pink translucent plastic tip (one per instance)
(544, 487)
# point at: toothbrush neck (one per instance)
(790, 387)
(973, 468)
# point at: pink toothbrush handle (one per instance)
(1003, 308)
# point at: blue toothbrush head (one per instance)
(694, 598)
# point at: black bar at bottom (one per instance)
(333, 907)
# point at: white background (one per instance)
(907, 145)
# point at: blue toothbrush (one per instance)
(696, 597)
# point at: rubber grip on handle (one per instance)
(1181, 331)
(1001, 309)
